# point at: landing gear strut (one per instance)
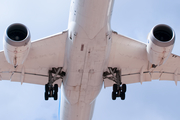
(119, 89)
(50, 89)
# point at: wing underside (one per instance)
(44, 54)
(130, 57)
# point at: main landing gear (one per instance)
(119, 89)
(50, 89)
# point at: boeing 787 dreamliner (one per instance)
(87, 56)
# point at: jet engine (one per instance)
(16, 44)
(160, 44)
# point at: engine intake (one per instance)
(17, 35)
(163, 33)
(17, 32)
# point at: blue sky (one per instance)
(157, 100)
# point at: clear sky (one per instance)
(156, 100)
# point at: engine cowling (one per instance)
(161, 41)
(17, 44)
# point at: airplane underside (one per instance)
(87, 47)
(86, 56)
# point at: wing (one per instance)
(131, 57)
(44, 54)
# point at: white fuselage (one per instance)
(86, 57)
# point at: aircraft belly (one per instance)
(86, 57)
(77, 111)
(84, 79)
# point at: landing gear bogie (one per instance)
(119, 92)
(51, 90)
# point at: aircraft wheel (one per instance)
(46, 88)
(123, 88)
(114, 95)
(55, 95)
(122, 96)
(56, 87)
(114, 87)
(46, 95)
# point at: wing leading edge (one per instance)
(44, 54)
(130, 57)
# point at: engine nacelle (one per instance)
(17, 44)
(160, 44)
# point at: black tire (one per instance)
(114, 87)
(46, 88)
(55, 95)
(123, 88)
(122, 96)
(113, 95)
(46, 96)
(56, 87)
